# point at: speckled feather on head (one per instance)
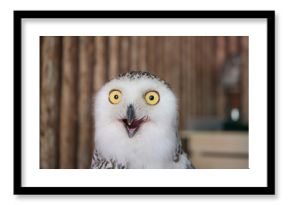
(133, 75)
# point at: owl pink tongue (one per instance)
(134, 124)
(133, 127)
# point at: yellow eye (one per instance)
(152, 97)
(115, 96)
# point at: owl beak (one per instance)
(130, 114)
(131, 123)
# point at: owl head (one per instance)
(132, 101)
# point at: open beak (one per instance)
(131, 123)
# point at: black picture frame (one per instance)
(269, 189)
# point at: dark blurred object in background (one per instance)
(209, 75)
(231, 81)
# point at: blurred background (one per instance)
(209, 75)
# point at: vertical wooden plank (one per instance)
(232, 46)
(220, 60)
(100, 67)
(207, 76)
(213, 80)
(86, 63)
(162, 58)
(201, 77)
(49, 106)
(158, 55)
(166, 61)
(180, 57)
(134, 54)
(68, 121)
(124, 57)
(198, 77)
(142, 53)
(183, 81)
(99, 70)
(175, 67)
(187, 80)
(177, 73)
(193, 85)
(204, 76)
(245, 78)
(150, 57)
(113, 60)
(221, 48)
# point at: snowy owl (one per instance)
(136, 125)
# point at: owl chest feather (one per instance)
(155, 149)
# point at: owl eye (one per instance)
(152, 97)
(115, 96)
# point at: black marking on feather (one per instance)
(133, 75)
(100, 162)
(179, 152)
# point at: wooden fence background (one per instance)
(74, 68)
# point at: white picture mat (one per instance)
(255, 176)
